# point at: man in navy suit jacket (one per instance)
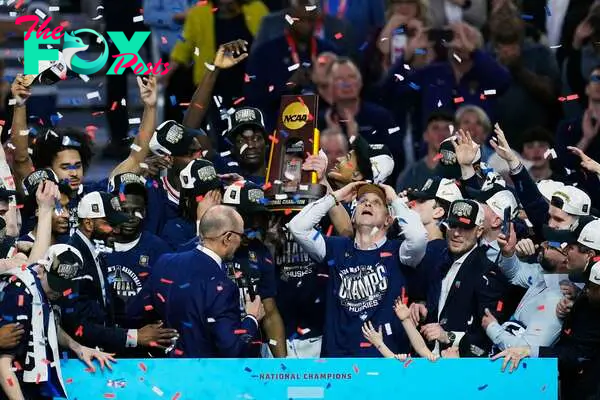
(192, 293)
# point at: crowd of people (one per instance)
(458, 147)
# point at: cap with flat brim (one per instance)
(419, 195)
(559, 235)
(371, 188)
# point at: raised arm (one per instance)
(46, 197)
(228, 55)
(19, 137)
(140, 147)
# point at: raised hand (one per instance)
(401, 310)
(508, 244)
(348, 192)
(375, 337)
(148, 92)
(231, 53)
(502, 148)
(19, 89)
(418, 313)
(526, 248)
(317, 164)
(465, 148)
(586, 161)
(47, 194)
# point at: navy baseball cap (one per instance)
(173, 139)
(246, 197)
(245, 117)
(200, 176)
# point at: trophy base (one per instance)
(280, 200)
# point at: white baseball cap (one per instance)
(101, 205)
(547, 187)
(500, 201)
(572, 200)
(595, 273)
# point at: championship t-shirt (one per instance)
(128, 266)
(363, 286)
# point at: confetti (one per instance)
(148, 307)
(138, 18)
(167, 281)
(157, 391)
(499, 306)
(20, 300)
(289, 19)
(176, 396)
(364, 345)
(240, 331)
(79, 331)
(93, 95)
(482, 387)
(459, 100)
(135, 147)
(134, 121)
(143, 367)
(338, 35)
(160, 296)
(384, 254)
(550, 153)
(408, 362)
(388, 328)
(293, 67)
(273, 342)
(393, 130)
(210, 67)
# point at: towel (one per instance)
(37, 354)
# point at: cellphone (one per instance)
(440, 35)
(399, 42)
(506, 221)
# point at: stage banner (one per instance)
(332, 379)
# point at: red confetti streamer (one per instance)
(355, 367)
(338, 36)
(408, 362)
(17, 365)
(143, 274)
(273, 139)
(482, 97)
(329, 231)
(168, 282)
(143, 367)
(238, 101)
(67, 292)
(160, 296)
(384, 254)
(69, 380)
(403, 296)
(199, 198)
(109, 395)
(178, 352)
(20, 300)
(267, 186)
(79, 331)
(459, 100)
(114, 106)
(37, 378)
(90, 370)
(541, 308)
(153, 344)
(10, 382)
(438, 157)
(148, 307)
(567, 331)
(176, 396)
(499, 306)
(365, 345)
(240, 331)
(287, 211)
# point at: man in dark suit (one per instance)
(89, 314)
(330, 28)
(192, 293)
(470, 286)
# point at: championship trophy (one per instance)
(49, 72)
(296, 136)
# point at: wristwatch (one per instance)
(451, 337)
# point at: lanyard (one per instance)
(341, 9)
(294, 48)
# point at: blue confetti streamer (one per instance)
(283, 133)
(527, 17)
(414, 86)
(482, 387)
(173, 100)
(316, 235)
(187, 324)
(283, 367)
(248, 369)
(65, 355)
(184, 286)
(420, 52)
(361, 48)
(69, 310)
(331, 262)
(8, 317)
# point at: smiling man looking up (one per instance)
(365, 274)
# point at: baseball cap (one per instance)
(448, 166)
(243, 117)
(595, 273)
(5, 193)
(200, 176)
(572, 200)
(32, 181)
(498, 198)
(439, 189)
(173, 139)
(547, 187)
(586, 232)
(375, 161)
(246, 197)
(101, 205)
(128, 180)
(63, 264)
(465, 213)
(371, 188)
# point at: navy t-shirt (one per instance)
(163, 205)
(301, 285)
(363, 286)
(178, 231)
(127, 270)
(16, 305)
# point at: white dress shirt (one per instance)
(554, 21)
(448, 280)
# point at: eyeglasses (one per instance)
(241, 235)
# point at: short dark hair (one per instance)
(537, 134)
(51, 142)
(440, 115)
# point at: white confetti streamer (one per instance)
(489, 92)
(93, 95)
(135, 147)
(134, 120)
(293, 67)
(393, 130)
(40, 13)
(289, 19)
(138, 18)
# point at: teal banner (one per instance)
(343, 379)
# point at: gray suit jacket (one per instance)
(274, 25)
